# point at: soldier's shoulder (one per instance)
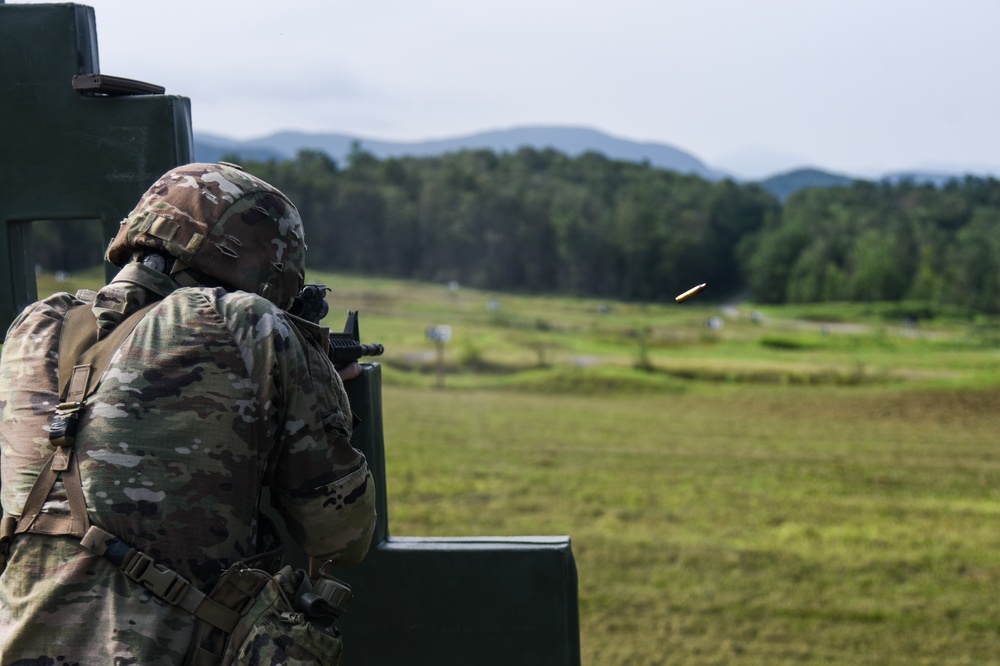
(48, 309)
(60, 301)
(235, 303)
(252, 316)
(246, 299)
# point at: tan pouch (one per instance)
(270, 630)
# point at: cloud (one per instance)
(849, 84)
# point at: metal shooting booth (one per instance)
(79, 145)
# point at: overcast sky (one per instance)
(753, 86)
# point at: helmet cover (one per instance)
(224, 222)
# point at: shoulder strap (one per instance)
(84, 349)
(79, 332)
(81, 353)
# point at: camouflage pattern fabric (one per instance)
(213, 395)
(224, 222)
(262, 635)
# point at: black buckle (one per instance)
(62, 426)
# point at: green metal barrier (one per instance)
(89, 152)
(77, 145)
(461, 601)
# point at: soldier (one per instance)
(215, 393)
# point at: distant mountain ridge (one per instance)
(571, 141)
(784, 185)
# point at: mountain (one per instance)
(784, 185)
(211, 148)
(755, 163)
(572, 141)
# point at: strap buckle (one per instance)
(62, 426)
(161, 581)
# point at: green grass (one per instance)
(796, 489)
(806, 485)
(840, 344)
(730, 524)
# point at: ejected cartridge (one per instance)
(690, 292)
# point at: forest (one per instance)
(538, 221)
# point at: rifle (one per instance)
(345, 348)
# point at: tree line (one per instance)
(529, 221)
(881, 242)
(541, 221)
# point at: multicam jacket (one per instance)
(212, 396)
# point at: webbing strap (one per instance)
(79, 332)
(80, 353)
(162, 581)
(82, 339)
(33, 520)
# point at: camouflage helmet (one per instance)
(223, 222)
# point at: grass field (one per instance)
(804, 485)
(754, 525)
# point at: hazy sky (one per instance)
(753, 86)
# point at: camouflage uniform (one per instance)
(213, 395)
